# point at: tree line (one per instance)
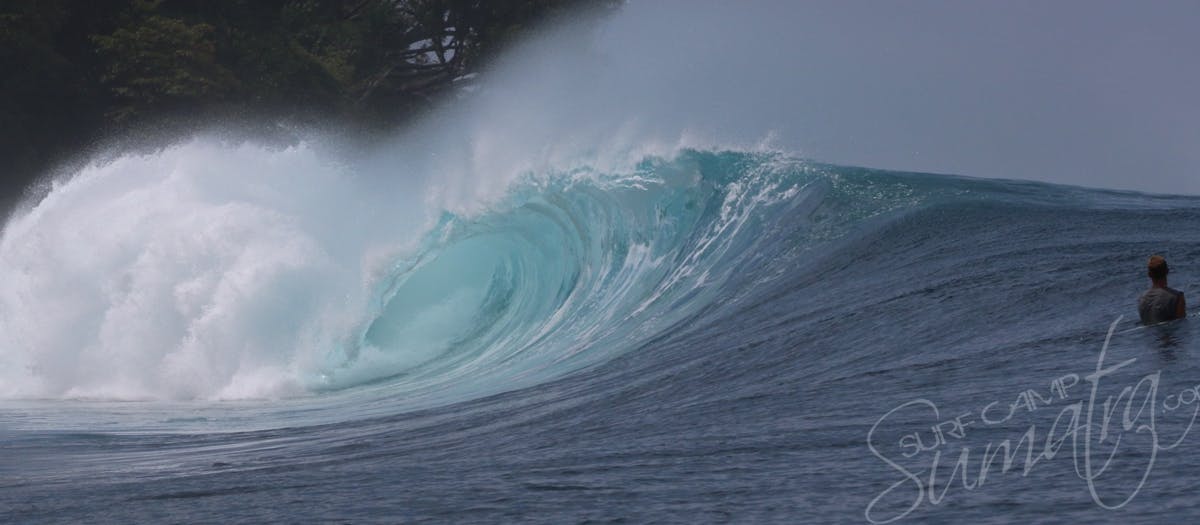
(74, 73)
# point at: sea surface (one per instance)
(217, 334)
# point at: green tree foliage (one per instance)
(159, 62)
(73, 72)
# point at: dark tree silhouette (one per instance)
(75, 72)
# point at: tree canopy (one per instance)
(74, 72)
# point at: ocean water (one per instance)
(238, 334)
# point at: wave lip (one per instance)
(267, 274)
(569, 270)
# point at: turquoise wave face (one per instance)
(203, 273)
(269, 275)
(567, 271)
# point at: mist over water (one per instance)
(214, 271)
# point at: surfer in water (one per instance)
(1160, 303)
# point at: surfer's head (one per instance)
(1157, 268)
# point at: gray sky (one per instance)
(1094, 93)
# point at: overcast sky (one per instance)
(1094, 93)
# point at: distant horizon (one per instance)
(1094, 94)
